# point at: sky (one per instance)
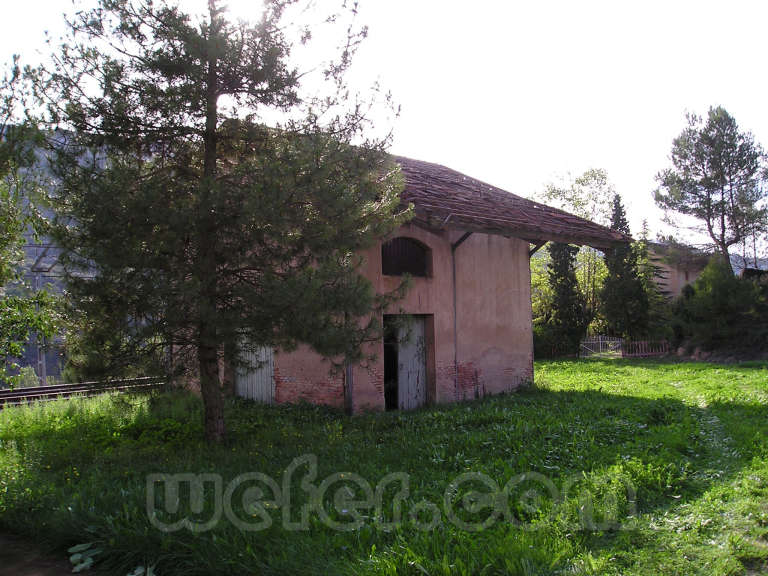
(519, 94)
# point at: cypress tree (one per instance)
(624, 299)
(568, 319)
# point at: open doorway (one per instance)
(406, 346)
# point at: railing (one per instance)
(610, 347)
(600, 346)
(644, 348)
(53, 392)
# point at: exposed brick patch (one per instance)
(469, 383)
(368, 388)
(446, 383)
(295, 382)
(295, 386)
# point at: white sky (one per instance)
(520, 93)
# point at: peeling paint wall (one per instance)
(494, 347)
(304, 375)
(495, 342)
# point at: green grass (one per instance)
(691, 440)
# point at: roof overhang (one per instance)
(445, 199)
(431, 221)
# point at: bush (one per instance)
(27, 378)
(548, 342)
(561, 330)
(721, 311)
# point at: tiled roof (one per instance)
(444, 198)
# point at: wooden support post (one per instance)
(536, 248)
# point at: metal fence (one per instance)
(610, 347)
(601, 346)
(645, 348)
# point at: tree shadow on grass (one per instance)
(671, 451)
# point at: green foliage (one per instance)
(12, 224)
(22, 313)
(546, 341)
(27, 378)
(199, 229)
(589, 196)
(691, 438)
(716, 177)
(541, 291)
(590, 273)
(624, 301)
(659, 307)
(721, 311)
(13, 220)
(20, 318)
(561, 330)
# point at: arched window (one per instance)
(404, 255)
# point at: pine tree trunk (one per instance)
(207, 346)
(210, 389)
(726, 257)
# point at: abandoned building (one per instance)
(463, 330)
(677, 266)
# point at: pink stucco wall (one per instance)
(494, 347)
(672, 279)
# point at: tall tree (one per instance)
(541, 291)
(753, 247)
(23, 312)
(588, 195)
(650, 273)
(624, 301)
(716, 178)
(189, 224)
(568, 319)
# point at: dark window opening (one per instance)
(403, 255)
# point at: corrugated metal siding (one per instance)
(255, 379)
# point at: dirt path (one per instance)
(20, 558)
(723, 454)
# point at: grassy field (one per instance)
(603, 467)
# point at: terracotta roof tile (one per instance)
(445, 198)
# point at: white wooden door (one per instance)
(255, 378)
(412, 364)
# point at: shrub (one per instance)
(27, 378)
(721, 311)
(548, 342)
(566, 324)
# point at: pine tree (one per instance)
(716, 177)
(624, 300)
(190, 227)
(568, 320)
